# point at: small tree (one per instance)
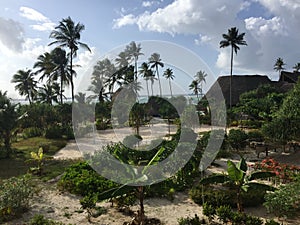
(236, 175)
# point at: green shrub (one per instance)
(237, 138)
(191, 221)
(224, 213)
(285, 201)
(15, 193)
(254, 124)
(82, 180)
(67, 131)
(271, 222)
(54, 132)
(255, 135)
(41, 220)
(32, 132)
(209, 211)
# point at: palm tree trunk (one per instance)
(147, 88)
(61, 90)
(71, 77)
(170, 87)
(230, 86)
(160, 92)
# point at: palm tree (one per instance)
(233, 39)
(296, 67)
(168, 74)
(45, 65)
(146, 73)
(122, 60)
(26, 85)
(155, 62)
(133, 51)
(194, 86)
(201, 77)
(67, 34)
(81, 98)
(49, 93)
(279, 65)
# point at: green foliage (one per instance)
(81, 179)
(271, 222)
(32, 132)
(237, 138)
(88, 203)
(224, 213)
(255, 135)
(54, 132)
(38, 158)
(209, 211)
(41, 220)
(191, 221)
(14, 196)
(285, 201)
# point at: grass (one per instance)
(19, 164)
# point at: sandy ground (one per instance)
(65, 207)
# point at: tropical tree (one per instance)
(233, 39)
(279, 65)
(48, 93)
(169, 75)
(26, 85)
(81, 98)
(44, 65)
(146, 73)
(122, 60)
(133, 51)
(155, 62)
(194, 86)
(67, 34)
(201, 78)
(296, 67)
(238, 177)
(8, 121)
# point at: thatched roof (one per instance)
(290, 77)
(240, 85)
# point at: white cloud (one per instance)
(147, 3)
(125, 20)
(43, 22)
(11, 34)
(203, 39)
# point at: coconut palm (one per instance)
(233, 39)
(49, 93)
(296, 67)
(201, 77)
(67, 34)
(169, 75)
(122, 60)
(44, 65)
(194, 86)
(146, 73)
(133, 51)
(81, 98)
(26, 85)
(279, 65)
(155, 62)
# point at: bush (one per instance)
(209, 211)
(32, 132)
(255, 136)
(54, 132)
(285, 201)
(41, 220)
(271, 222)
(237, 139)
(67, 131)
(14, 196)
(191, 221)
(82, 180)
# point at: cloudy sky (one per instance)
(271, 27)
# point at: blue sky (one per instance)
(271, 27)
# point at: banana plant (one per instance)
(38, 158)
(126, 188)
(237, 175)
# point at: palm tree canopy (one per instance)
(168, 74)
(279, 64)
(133, 50)
(155, 60)
(233, 39)
(201, 76)
(67, 34)
(297, 67)
(194, 86)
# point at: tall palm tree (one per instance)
(122, 60)
(201, 77)
(169, 75)
(296, 67)
(146, 73)
(67, 34)
(26, 85)
(233, 39)
(155, 62)
(279, 65)
(81, 98)
(133, 51)
(45, 65)
(194, 86)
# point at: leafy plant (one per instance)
(41, 220)
(14, 196)
(271, 222)
(209, 211)
(38, 158)
(237, 139)
(236, 175)
(191, 221)
(88, 203)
